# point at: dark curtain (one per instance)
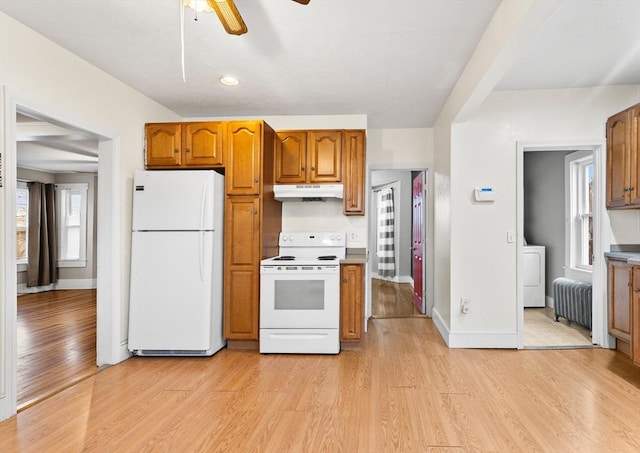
(42, 269)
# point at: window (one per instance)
(71, 200)
(22, 223)
(581, 211)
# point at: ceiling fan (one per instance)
(229, 15)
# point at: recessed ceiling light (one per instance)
(229, 80)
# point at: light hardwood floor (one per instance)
(56, 342)
(402, 391)
(389, 299)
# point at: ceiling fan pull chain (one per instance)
(181, 3)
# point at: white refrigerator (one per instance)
(176, 288)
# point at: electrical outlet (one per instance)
(464, 305)
(353, 236)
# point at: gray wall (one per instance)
(401, 181)
(71, 273)
(544, 209)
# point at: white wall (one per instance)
(483, 264)
(38, 70)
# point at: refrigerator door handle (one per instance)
(201, 255)
(202, 214)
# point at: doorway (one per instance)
(544, 243)
(56, 271)
(109, 346)
(397, 242)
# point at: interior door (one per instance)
(418, 242)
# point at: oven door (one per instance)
(299, 297)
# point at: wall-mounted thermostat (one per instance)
(485, 194)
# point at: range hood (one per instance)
(307, 192)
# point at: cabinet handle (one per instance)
(626, 189)
(313, 168)
(186, 150)
(344, 280)
(630, 189)
(256, 180)
(176, 151)
(302, 168)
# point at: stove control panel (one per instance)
(300, 239)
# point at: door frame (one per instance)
(109, 303)
(427, 276)
(601, 240)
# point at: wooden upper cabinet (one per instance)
(308, 157)
(623, 163)
(183, 145)
(244, 144)
(353, 148)
(634, 157)
(324, 156)
(163, 145)
(203, 144)
(291, 157)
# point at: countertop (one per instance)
(629, 253)
(355, 256)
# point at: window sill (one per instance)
(582, 275)
(74, 263)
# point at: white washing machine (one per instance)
(534, 279)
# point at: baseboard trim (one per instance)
(69, 283)
(474, 340)
(550, 302)
(396, 279)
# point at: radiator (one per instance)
(572, 301)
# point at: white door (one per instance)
(173, 200)
(171, 290)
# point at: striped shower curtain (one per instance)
(385, 234)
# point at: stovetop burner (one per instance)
(327, 258)
(284, 258)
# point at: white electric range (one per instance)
(300, 294)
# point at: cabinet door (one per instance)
(620, 292)
(242, 258)
(203, 144)
(351, 301)
(244, 142)
(291, 157)
(324, 156)
(163, 145)
(617, 160)
(354, 157)
(634, 157)
(635, 316)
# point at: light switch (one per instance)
(511, 236)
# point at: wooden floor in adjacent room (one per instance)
(390, 299)
(56, 342)
(403, 390)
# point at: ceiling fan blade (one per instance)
(304, 2)
(229, 16)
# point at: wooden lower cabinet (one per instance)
(620, 291)
(242, 260)
(351, 302)
(635, 317)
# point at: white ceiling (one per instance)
(394, 60)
